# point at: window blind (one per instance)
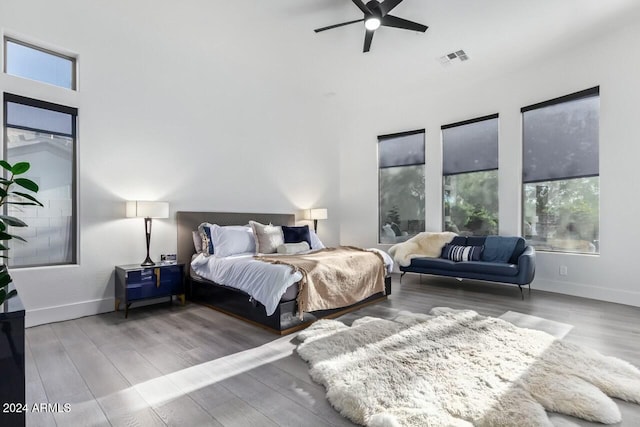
(561, 138)
(402, 149)
(470, 146)
(25, 113)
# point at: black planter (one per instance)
(12, 380)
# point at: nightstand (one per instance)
(135, 283)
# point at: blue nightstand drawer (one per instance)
(171, 274)
(141, 276)
(151, 290)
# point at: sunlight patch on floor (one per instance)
(168, 387)
(557, 329)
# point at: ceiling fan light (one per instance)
(372, 24)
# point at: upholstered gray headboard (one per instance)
(189, 221)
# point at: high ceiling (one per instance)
(498, 36)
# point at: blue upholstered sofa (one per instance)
(516, 266)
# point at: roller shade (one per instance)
(561, 139)
(470, 146)
(59, 121)
(403, 149)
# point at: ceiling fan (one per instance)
(376, 14)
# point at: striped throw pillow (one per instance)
(462, 253)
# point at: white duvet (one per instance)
(265, 282)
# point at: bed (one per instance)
(285, 317)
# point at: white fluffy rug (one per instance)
(458, 368)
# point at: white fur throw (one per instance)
(458, 368)
(425, 244)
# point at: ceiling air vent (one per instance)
(451, 57)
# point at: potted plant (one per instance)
(12, 386)
(8, 197)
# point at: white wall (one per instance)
(174, 105)
(605, 61)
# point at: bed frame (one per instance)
(235, 302)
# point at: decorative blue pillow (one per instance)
(501, 248)
(462, 253)
(297, 234)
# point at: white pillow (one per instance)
(232, 240)
(197, 241)
(293, 248)
(315, 240)
(267, 237)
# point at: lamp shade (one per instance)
(318, 213)
(144, 209)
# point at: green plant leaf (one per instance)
(13, 221)
(5, 280)
(3, 226)
(18, 238)
(28, 197)
(27, 183)
(3, 247)
(12, 294)
(20, 168)
(3, 295)
(22, 203)
(5, 165)
(3, 192)
(6, 236)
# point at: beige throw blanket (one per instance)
(334, 277)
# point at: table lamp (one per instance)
(147, 210)
(316, 214)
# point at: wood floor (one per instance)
(192, 366)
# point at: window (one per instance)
(561, 185)
(401, 185)
(31, 62)
(44, 135)
(470, 169)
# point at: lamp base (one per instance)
(147, 232)
(147, 263)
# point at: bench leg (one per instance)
(521, 294)
(403, 273)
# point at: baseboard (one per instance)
(588, 291)
(59, 313)
(40, 316)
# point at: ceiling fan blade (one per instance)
(362, 7)
(337, 25)
(367, 40)
(387, 5)
(394, 21)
